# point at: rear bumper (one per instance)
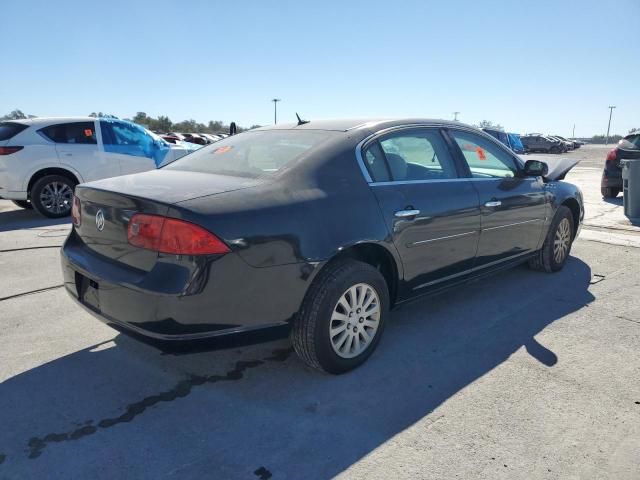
(221, 296)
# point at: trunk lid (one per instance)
(105, 217)
(107, 206)
(173, 186)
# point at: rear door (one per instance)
(77, 147)
(433, 214)
(513, 208)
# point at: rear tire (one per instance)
(52, 196)
(557, 245)
(610, 192)
(554, 150)
(26, 204)
(331, 320)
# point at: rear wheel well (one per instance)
(573, 205)
(379, 258)
(50, 171)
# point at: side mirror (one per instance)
(535, 168)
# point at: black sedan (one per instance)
(323, 226)
(627, 149)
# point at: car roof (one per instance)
(344, 125)
(49, 120)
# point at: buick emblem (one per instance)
(100, 220)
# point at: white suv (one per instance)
(43, 159)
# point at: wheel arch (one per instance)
(378, 256)
(43, 172)
(573, 205)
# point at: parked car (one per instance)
(541, 143)
(568, 143)
(322, 226)
(627, 148)
(511, 140)
(212, 138)
(43, 159)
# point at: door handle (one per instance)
(493, 203)
(407, 213)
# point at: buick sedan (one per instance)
(323, 226)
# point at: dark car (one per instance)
(541, 143)
(511, 140)
(322, 227)
(627, 148)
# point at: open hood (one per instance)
(558, 167)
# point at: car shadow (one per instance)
(20, 219)
(614, 201)
(241, 409)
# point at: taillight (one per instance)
(9, 150)
(612, 155)
(170, 235)
(76, 217)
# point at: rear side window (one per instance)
(485, 159)
(10, 129)
(631, 142)
(418, 155)
(376, 164)
(81, 133)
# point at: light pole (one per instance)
(275, 110)
(611, 107)
(455, 116)
(573, 135)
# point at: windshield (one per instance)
(253, 154)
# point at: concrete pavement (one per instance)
(521, 375)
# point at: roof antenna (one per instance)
(300, 121)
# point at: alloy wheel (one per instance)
(562, 241)
(355, 320)
(56, 197)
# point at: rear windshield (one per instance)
(10, 129)
(632, 142)
(253, 154)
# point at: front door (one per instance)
(433, 214)
(514, 208)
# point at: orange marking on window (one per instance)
(481, 154)
(88, 132)
(221, 150)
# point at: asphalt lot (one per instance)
(522, 375)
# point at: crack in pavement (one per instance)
(36, 445)
(29, 248)
(628, 319)
(30, 292)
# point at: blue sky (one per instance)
(531, 66)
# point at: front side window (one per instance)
(79, 133)
(253, 154)
(127, 139)
(418, 155)
(485, 159)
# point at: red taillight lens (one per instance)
(170, 235)
(76, 217)
(9, 150)
(612, 155)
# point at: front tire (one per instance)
(557, 245)
(610, 192)
(342, 317)
(26, 204)
(52, 196)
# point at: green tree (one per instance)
(489, 124)
(15, 115)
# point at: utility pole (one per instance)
(611, 107)
(275, 110)
(573, 135)
(455, 116)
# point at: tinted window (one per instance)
(376, 163)
(633, 140)
(253, 154)
(9, 130)
(418, 155)
(485, 159)
(82, 133)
